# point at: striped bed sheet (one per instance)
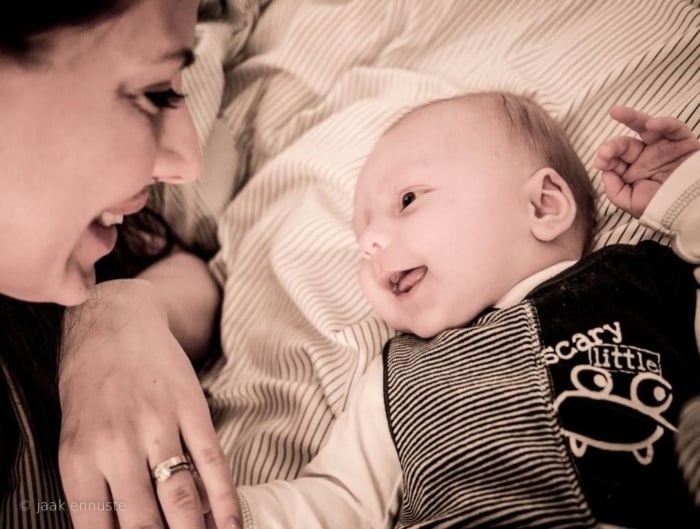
(287, 115)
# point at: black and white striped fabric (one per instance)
(478, 439)
(688, 446)
(35, 498)
(289, 127)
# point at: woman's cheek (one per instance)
(132, 165)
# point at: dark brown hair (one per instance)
(25, 31)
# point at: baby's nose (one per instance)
(372, 241)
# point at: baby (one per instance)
(534, 384)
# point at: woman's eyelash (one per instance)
(169, 98)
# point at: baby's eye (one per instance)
(407, 199)
(169, 98)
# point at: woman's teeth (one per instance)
(107, 219)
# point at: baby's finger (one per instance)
(615, 150)
(670, 128)
(616, 190)
(630, 117)
(615, 165)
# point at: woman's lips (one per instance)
(107, 219)
(403, 282)
(104, 237)
(102, 230)
(128, 207)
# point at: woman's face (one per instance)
(83, 135)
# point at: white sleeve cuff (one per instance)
(675, 209)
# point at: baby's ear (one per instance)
(552, 205)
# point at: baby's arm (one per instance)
(354, 481)
(633, 173)
(633, 169)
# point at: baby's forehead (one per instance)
(441, 130)
(454, 109)
(451, 120)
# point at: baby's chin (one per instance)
(424, 330)
(429, 327)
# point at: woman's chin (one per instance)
(76, 287)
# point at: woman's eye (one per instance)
(169, 98)
(407, 199)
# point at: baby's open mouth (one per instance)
(402, 282)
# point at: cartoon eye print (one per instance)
(652, 392)
(588, 379)
(633, 423)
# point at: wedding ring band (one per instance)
(165, 469)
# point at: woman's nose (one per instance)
(179, 158)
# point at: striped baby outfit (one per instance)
(558, 411)
(475, 430)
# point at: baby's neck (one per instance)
(521, 289)
(535, 265)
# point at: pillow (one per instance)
(192, 209)
(320, 82)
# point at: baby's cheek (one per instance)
(377, 297)
(366, 280)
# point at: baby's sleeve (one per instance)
(675, 210)
(354, 482)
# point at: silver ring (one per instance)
(165, 469)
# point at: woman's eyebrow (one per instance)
(184, 55)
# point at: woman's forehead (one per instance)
(148, 32)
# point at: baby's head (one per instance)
(459, 201)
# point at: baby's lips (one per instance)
(409, 279)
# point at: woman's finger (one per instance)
(132, 488)
(175, 486)
(85, 490)
(212, 466)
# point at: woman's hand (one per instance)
(130, 400)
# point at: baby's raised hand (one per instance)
(633, 169)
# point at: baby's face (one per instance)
(439, 211)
